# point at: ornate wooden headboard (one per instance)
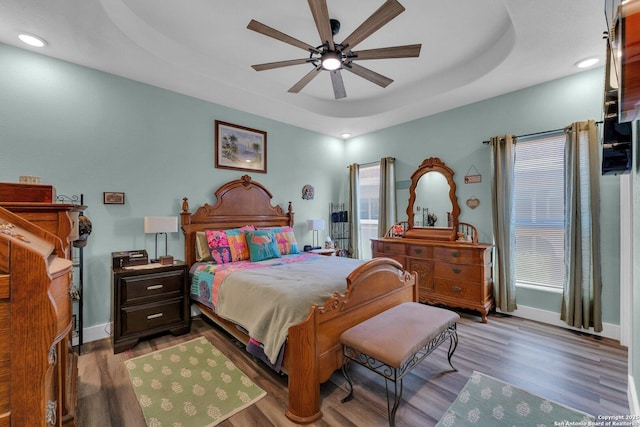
(238, 203)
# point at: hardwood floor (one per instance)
(579, 370)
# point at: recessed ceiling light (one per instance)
(32, 40)
(345, 135)
(585, 63)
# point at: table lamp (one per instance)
(160, 225)
(315, 225)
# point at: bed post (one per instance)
(304, 380)
(290, 214)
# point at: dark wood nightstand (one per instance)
(148, 300)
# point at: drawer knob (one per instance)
(457, 270)
(154, 316)
(386, 248)
(154, 287)
(418, 251)
(456, 289)
(455, 254)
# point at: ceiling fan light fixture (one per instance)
(331, 60)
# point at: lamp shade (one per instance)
(315, 224)
(160, 224)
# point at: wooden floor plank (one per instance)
(576, 369)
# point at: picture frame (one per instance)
(240, 148)
(113, 198)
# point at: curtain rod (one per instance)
(539, 133)
(370, 163)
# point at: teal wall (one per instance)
(457, 136)
(86, 132)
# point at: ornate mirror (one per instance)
(433, 206)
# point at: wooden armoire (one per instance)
(38, 368)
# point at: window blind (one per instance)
(539, 209)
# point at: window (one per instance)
(539, 209)
(369, 206)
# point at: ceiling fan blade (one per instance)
(389, 10)
(372, 76)
(272, 32)
(321, 16)
(279, 64)
(305, 80)
(407, 51)
(338, 84)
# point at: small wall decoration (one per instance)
(472, 178)
(307, 192)
(240, 148)
(112, 198)
(473, 202)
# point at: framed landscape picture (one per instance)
(240, 148)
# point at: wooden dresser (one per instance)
(38, 370)
(449, 273)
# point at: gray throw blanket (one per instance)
(267, 301)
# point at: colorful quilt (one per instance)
(266, 298)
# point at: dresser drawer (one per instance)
(464, 272)
(459, 255)
(144, 318)
(387, 248)
(457, 289)
(137, 289)
(418, 251)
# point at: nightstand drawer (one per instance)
(137, 289)
(143, 318)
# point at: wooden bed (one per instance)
(312, 352)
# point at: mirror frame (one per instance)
(433, 164)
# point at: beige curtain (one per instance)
(387, 196)
(355, 248)
(581, 299)
(502, 186)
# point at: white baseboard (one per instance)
(552, 318)
(98, 332)
(94, 333)
(634, 405)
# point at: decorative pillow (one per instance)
(285, 238)
(228, 245)
(238, 243)
(262, 245)
(218, 246)
(202, 247)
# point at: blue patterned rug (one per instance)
(486, 401)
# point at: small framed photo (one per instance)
(112, 198)
(240, 148)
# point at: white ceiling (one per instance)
(471, 50)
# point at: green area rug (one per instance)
(486, 401)
(190, 384)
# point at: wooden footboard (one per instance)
(373, 287)
(313, 352)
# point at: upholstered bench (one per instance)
(393, 342)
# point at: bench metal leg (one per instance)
(453, 344)
(345, 372)
(397, 398)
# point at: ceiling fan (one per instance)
(332, 56)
